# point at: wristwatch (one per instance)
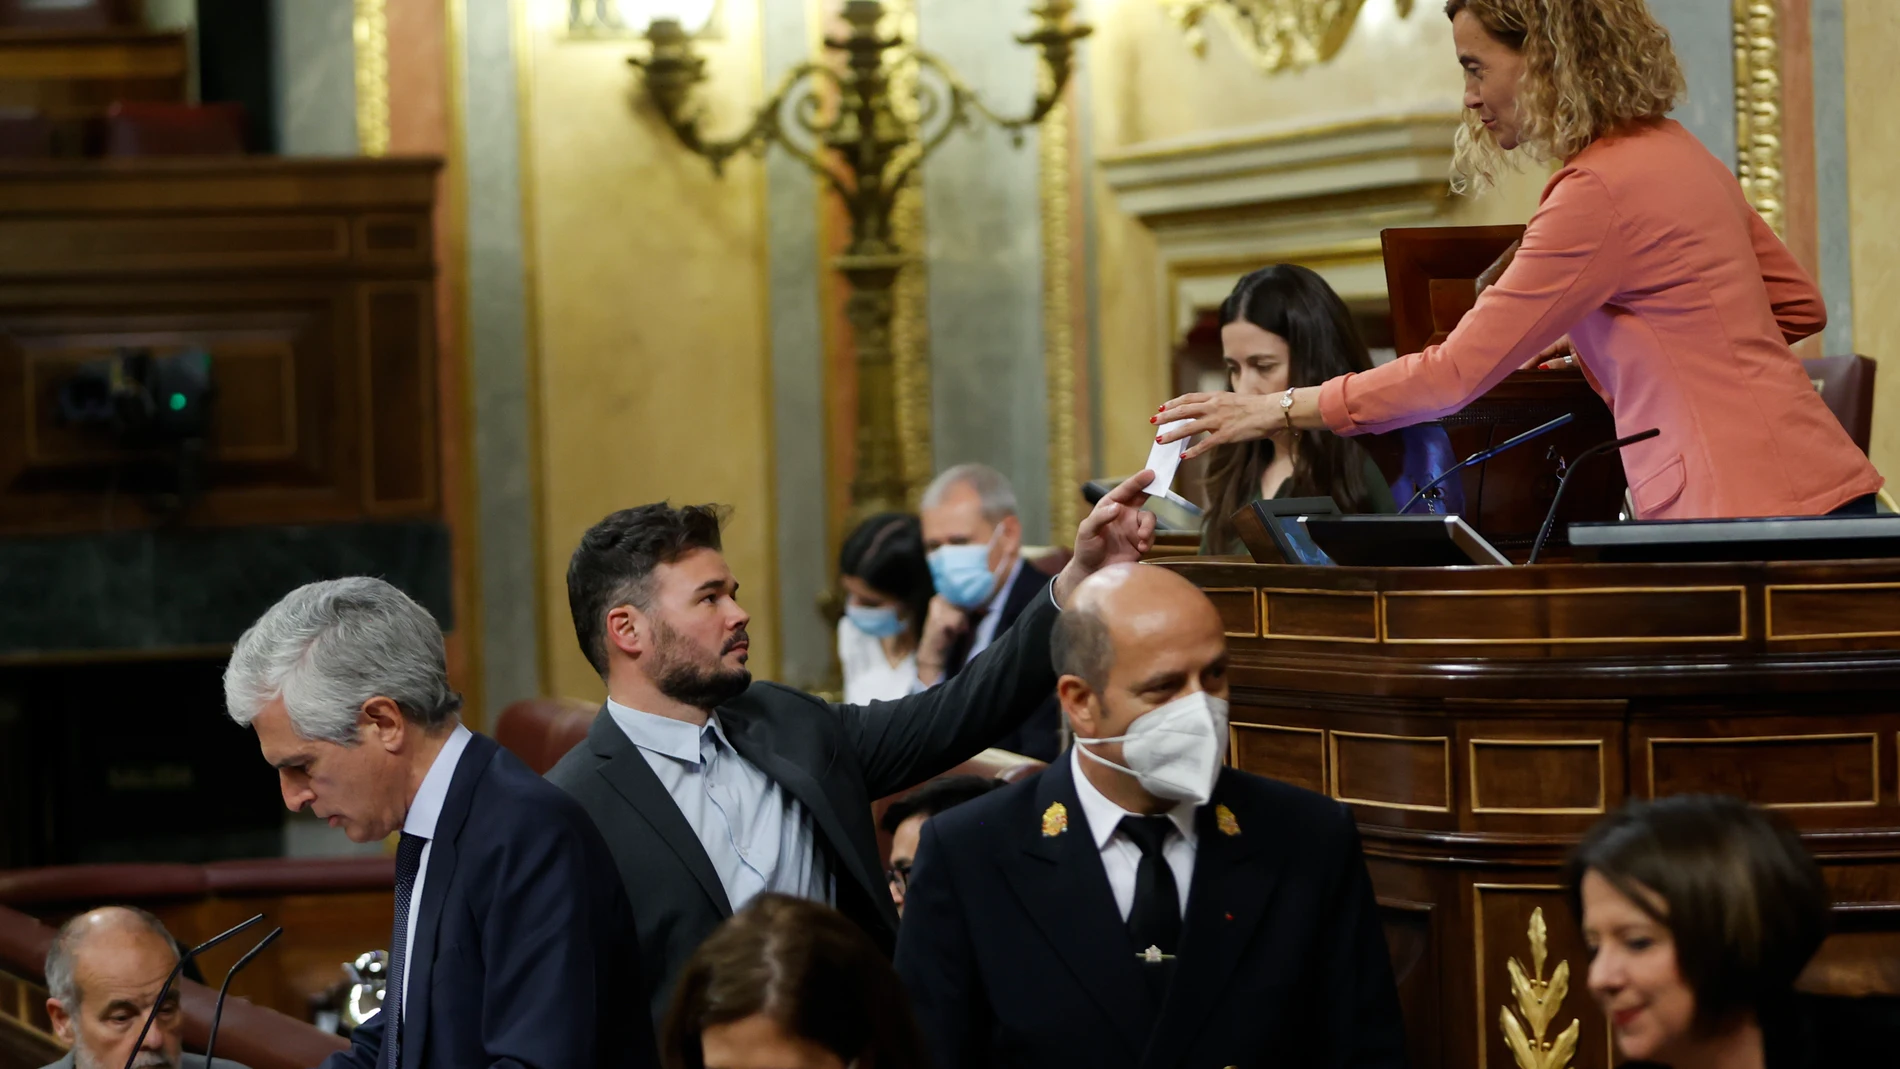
(1286, 406)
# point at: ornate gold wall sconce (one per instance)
(1537, 1001)
(609, 19)
(1278, 35)
(843, 119)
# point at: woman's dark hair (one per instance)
(808, 968)
(1298, 305)
(887, 552)
(1742, 899)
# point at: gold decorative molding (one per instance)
(1538, 1001)
(1058, 323)
(370, 30)
(1278, 35)
(1758, 106)
(910, 317)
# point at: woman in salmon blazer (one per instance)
(1679, 302)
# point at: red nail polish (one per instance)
(1163, 408)
(1154, 419)
(1157, 439)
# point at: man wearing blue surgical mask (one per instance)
(1138, 903)
(973, 540)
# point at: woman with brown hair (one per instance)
(1678, 299)
(789, 984)
(1284, 326)
(1700, 912)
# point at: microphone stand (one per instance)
(1564, 483)
(1483, 455)
(176, 969)
(217, 1013)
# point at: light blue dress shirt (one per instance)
(758, 837)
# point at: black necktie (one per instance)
(1155, 919)
(408, 864)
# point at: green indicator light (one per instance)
(178, 402)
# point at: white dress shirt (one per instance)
(758, 837)
(1120, 856)
(993, 613)
(869, 676)
(424, 811)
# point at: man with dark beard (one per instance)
(711, 789)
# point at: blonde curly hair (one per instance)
(1590, 67)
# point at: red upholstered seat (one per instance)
(540, 731)
(1846, 383)
(154, 128)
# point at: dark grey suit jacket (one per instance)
(835, 759)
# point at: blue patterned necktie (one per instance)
(408, 864)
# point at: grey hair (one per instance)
(60, 982)
(992, 488)
(1080, 645)
(329, 647)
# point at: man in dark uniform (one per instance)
(1137, 903)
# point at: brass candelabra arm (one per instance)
(672, 70)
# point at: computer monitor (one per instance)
(1401, 541)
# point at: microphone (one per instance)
(1483, 455)
(1564, 483)
(217, 1012)
(182, 959)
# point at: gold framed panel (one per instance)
(1768, 611)
(1873, 747)
(369, 27)
(1325, 747)
(1266, 622)
(1478, 806)
(1259, 609)
(1740, 592)
(1332, 770)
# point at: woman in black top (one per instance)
(1284, 326)
(1700, 912)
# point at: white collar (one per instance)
(1105, 817)
(426, 809)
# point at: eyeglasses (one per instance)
(899, 875)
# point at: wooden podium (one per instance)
(1478, 720)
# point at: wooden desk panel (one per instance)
(310, 283)
(1479, 720)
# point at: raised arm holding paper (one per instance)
(1679, 300)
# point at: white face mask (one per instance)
(1175, 750)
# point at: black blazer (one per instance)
(1039, 735)
(834, 759)
(525, 952)
(1015, 955)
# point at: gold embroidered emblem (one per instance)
(1055, 820)
(1224, 820)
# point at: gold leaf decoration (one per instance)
(1278, 35)
(1537, 1001)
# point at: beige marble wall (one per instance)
(1873, 161)
(1147, 86)
(650, 328)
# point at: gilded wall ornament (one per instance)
(1538, 1000)
(1279, 35)
(1758, 106)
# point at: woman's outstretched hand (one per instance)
(1234, 417)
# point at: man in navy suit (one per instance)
(1138, 904)
(974, 540)
(514, 942)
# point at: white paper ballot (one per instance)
(1163, 460)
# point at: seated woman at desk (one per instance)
(1679, 300)
(1284, 326)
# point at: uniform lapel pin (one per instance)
(1224, 820)
(1055, 820)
